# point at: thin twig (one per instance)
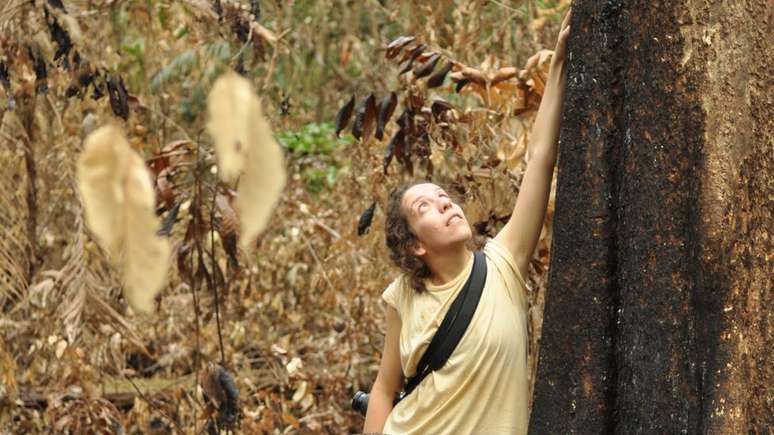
(195, 284)
(317, 260)
(270, 70)
(56, 112)
(171, 121)
(515, 11)
(322, 225)
(215, 287)
(247, 42)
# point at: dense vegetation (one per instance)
(293, 316)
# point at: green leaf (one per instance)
(182, 64)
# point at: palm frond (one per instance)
(14, 246)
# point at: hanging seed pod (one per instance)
(41, 73)
(406, 122)
(461, 84)
(386, 109)
(85, 78)
(57, 4)
(427, 66)
(365, 220)
(397, 45)
(396, 144)
(413, 53)
(406, 67)
(439, 106)
(169, 221)
(438, 78)
(365, 119)
(410, 57)
(71, 91)
(61, 37)
(118, 96)
(97, 93)
(5, 78)
(342, 118)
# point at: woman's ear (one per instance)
(418, 249)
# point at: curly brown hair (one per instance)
(400, 239)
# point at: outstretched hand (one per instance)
(560, 52)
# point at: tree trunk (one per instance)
(658, 317)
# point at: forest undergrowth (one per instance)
(266, 334)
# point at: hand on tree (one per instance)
(560, 52)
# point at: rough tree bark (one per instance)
(658, 316)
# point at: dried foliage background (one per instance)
(295, 319)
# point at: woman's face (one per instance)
(436, 220)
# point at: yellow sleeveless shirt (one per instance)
(482, 388)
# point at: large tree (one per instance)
(658, 315)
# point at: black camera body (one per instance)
(360, 401)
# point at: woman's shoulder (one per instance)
(502, 258)
(508, 272)
(395, 292)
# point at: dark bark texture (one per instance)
(658, 316)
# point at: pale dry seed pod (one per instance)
(232, 107)
(118, 200)
(245, 145)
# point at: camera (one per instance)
(360, 401)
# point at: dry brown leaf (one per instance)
(245, 144)
(263, 32)
(117, 194)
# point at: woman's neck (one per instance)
(446, 265)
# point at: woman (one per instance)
(482, 388)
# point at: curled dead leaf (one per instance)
(342, 118)
(397, 45)
(439, 106)
(396, 141)
(169, 221)
(539, 60)
(365, 119)
(438, 78)
(471, 74)
(229, 228)
(364, 223)
(263, 33)
(461, 84)
(220, 387)
(409, 57)
(503, 74)
(413, 53)
(426, 67)
(386, 109)
(118, 96)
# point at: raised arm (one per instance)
(522, 232)
(389, 380)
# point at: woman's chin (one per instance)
(463, 234)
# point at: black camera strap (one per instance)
(453, 325)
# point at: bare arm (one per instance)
(389, 380)
(522, 232)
